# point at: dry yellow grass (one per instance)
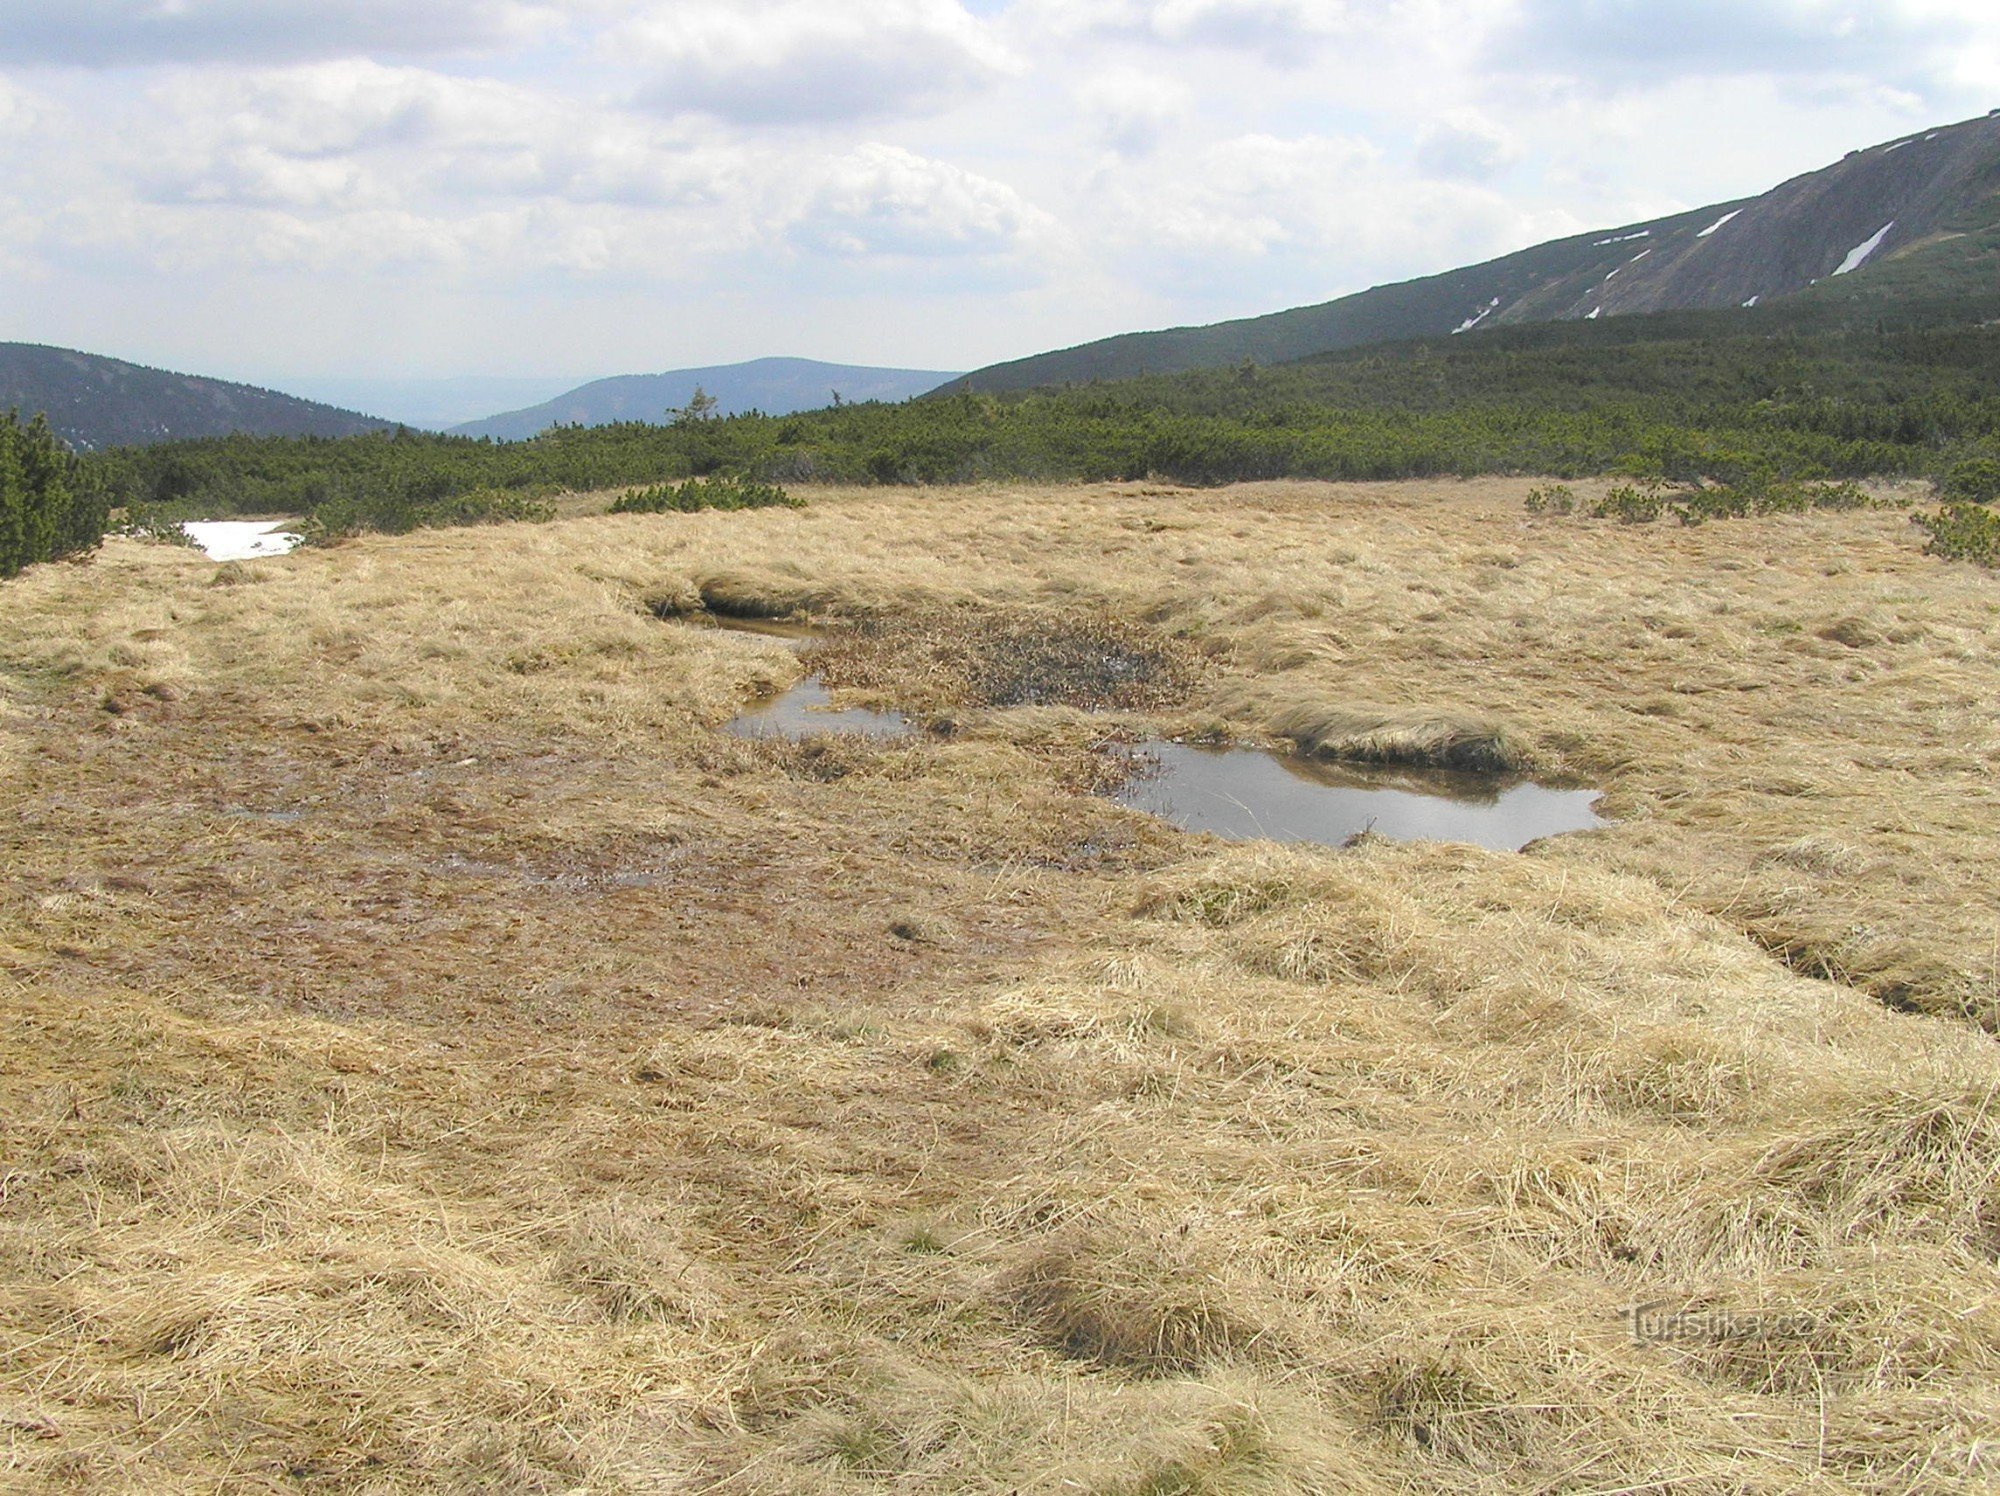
(435, 1060)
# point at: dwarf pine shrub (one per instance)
(705, 493)
(1974, 481)
(1963, 532)
(49, 506)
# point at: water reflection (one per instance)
(1246, 793)
(806, 710)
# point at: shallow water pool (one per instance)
(1252, 793)
(806, 710)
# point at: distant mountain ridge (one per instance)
(427, 404)
(93, 402)
(1909, 195)
(776, 386)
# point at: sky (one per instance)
(272, 190)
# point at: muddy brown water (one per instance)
(1243, 794)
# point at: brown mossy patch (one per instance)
(945, 659)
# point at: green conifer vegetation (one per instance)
(51, 504)
(1680, 396)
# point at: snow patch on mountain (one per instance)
(1717, 224)
(1858, 256)
(1476, 318)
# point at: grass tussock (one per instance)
(432, 1058)
(1134, 1306)
(1414, 739)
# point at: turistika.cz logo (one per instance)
(1669, 1322)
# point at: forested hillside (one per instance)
(94, 402)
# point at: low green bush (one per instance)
(1974, 481)
(705, 493)
(1697, 503)
(1631, 505)
(1963, 532)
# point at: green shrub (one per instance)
(1630, 505)
(1555, 498)
(1767, 496)
(51, 506)
(1963, 532)
(705, 493)
(1974, 481)
(155, 522)
(1699, 505)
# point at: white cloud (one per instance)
(883, 200)
(1302, 219)
(354, 168)
(1134, 109)
(360, 135)
(795, 61)
(115, 33)
(1907, 45)
(1283, 31)
(1464, 143)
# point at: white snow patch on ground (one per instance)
(1753, 301)
(239, 540)
(1473, 321)
(1633, 261)
(1897, 146)
(1858, 256)
(1595, 313)
(1932, 136)
(1623, 238)
(1717, 224)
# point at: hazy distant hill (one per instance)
(428, 404)
(776, 386)
(1925, 194)
(104, 402)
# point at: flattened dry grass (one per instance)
(432, 1059)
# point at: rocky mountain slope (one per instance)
(1925, 195)
(95, 402)
(776, 386)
